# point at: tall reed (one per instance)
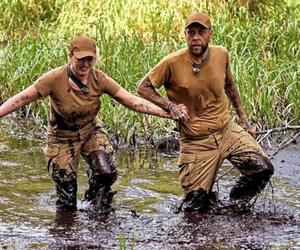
(132, 36)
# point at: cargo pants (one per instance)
(63, 151)
(201, 158)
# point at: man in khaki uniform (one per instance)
(197, 80)
(75, 90)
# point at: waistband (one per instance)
(184, 138)
(63, 134)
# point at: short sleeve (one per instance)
(228, 68)
(44, 84)
(160, 74)
(111, 87)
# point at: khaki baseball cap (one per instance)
(83, 46)
(199, 18)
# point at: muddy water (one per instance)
(148, 191)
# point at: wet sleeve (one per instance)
(228, 68)
(44, 84)
(160, 74)
(111, 87)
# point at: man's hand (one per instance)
(249, 129)
(178, 112)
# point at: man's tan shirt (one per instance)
(202, 93)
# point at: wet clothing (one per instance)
(73, 131)
(202, 93)
(209, 136)
(65, 147)
(70, 108)
(201, 157)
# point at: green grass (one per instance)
(122, 242)
(132, 38)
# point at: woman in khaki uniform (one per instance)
(75, 90)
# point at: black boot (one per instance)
(195, 201)
(66, 188)
(102, 174)
(103, 200)
(66, 193)
(248, 186)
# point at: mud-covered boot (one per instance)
(99, 193)
(247, 187)
(102, 174)
(212, 197)
(195, 201)
(66, 193)
(103, 200)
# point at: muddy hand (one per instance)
(250, 130)
(179, 112)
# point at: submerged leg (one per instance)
(197, 201)
(66, 188)
(256, 172)
(102, 174)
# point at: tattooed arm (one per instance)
(233, 95)
(147, 91)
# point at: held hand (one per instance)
(179, 112)
(250, 130)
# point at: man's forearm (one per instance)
(147, 91)
(178, 112)
(233, 95)
(145, 106)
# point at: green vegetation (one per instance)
(261, 36)
(122, 242)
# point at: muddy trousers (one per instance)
(251, 184)
(63, 152)
(101, 173)
(201, 159)
(244, 190)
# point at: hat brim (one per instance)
(82, 54)
(202, 24)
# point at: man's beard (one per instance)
(198, 51)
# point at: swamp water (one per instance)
(148, 191)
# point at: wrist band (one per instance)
(171, 107)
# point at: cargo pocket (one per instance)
(185, 175)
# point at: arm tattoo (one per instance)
(233, 95)
(147, 91)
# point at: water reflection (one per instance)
(148, 191)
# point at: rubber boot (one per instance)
(195, 201)
(248, 186)
(66, 194)
(102, 174)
